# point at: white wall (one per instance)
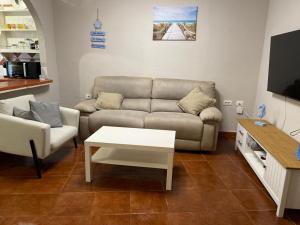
(42, 12)
(228, 48)
(283, 17)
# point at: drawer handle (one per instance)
(241, 132)
(240, 143)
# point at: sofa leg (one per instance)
(35, 159)
(75, 142)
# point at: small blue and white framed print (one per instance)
(97, 39)
(101, 46)
(97, 33)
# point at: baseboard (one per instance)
(227, 135)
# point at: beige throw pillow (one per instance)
(195, 101)
(108, 100)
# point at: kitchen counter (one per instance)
(11, 84)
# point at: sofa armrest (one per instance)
(15, 134)
(70, 116)
(87, 106)
(211, 114)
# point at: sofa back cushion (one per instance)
(129, 87)
(139, 104)
(21, 102)
(175, 89)
(164, 105)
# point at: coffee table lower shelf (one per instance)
(128, 157)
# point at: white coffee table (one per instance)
(131, 147)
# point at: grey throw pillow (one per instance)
(46, 113)
(27, 115)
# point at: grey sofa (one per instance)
(151, 103)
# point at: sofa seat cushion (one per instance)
(187, 126)
(164, 105)
(117, 118)
(139, 104)
(59, 135)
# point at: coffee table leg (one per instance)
(170, 171)
(88, 168)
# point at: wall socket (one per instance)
(239, 103)
(88, 96)
(227, 102)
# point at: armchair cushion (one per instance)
(45, 112)
(87, 106)
(60, 135)
(22, 102)
(211, 114)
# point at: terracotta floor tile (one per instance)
(57, 170)
(9, 184)
(268, 217)
(198, 167)
(179, 169)
(184, 201)
(184, 155)
(254, 199)
(18, 170)
(64, 220)
(27, 205)
(111, 203)
(147, 202)
(208, 189)
(73, 204)
(222, 167)
(185, 219)
(182, 182)
(76, 183)
(219, 200)
(225, 218)
(217, 156)
(46, 185)
(111, 220)
(207, 182)
(22, 221)
(294, 215)
(234, 180)
(149, 219)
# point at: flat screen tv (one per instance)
(284, 65)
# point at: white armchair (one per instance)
(30, 138)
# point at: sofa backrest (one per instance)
(167, 92)
(136, 90)
(176, 89)
(129, 87)
(147, 94)
(22, 102)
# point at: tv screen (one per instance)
(284, 65)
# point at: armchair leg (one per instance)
(75, 142)
(35, 159)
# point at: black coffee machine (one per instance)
(28, 70)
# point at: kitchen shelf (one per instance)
(17, 50)
(14, 10)
(17, 30)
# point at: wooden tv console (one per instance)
(276, 165)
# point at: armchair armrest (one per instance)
(70, 116)
(211, 114)
(15, 134)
